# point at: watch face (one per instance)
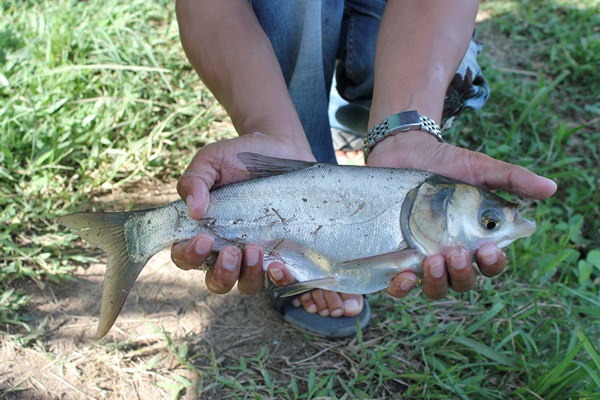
(404, 120)
(401, 122)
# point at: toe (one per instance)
(308, 303)
(353, 304)
(330, 304)
(335, 304)
(318, 297)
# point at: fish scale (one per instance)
(329, 210)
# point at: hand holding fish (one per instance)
(339, 228)
(215, 165)
(453, 268)
(421, 151)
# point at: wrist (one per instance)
(296, 146)
(281, 127)
(406, 122)
(428, 100)
(398, 150)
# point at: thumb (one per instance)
(509, 177)
(194, 188)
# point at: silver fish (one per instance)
(342, 228)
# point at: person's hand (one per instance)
(419, 150)
(215, 165)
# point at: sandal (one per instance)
(329, 327)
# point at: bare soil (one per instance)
(166, 303)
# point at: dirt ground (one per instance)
(66, 362)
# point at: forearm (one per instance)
(234, 58)
(420, 46)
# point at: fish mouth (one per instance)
(522, 228)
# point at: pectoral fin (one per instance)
(301, 287)
(362, 275)
(400, 261)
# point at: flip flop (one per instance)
(331, 328)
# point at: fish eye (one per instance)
(490, 219)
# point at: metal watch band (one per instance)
(397, 123)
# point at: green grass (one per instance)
(97, 95)
(87, 104)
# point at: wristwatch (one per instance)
(397, 123)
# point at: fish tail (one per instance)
(110, 232)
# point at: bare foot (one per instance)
(330, 304)
(350, 157)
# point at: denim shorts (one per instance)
(313, 39)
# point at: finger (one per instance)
(194, 190)
(461, 273)
(251, 273)
(402, 284)
(192, 253)
(221, 278)
(195, 183)
(435, 278)
(509, 177)
(280, 275)
(491, 260)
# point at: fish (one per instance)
(342, 228)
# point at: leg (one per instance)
(305, 36)
(355, 71)
(356, 68)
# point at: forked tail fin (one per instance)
(107, 231)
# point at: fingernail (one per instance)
(324, 313)
(189, 202)
(230, 260)
(276, 274)
(457, 259)
(436, 269)
(252, 256)
(488, 255)
(549, 181)
(312, 309)
(296, 302)
(408, 283)
(203, 246)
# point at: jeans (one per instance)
(314, 38)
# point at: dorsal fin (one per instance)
(260, 166)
